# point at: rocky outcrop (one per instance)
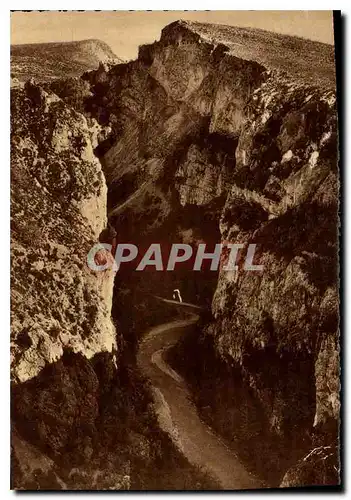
(178, 111)
(244, 119)
(283, 322)
(58, 212)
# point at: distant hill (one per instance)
(48, 61)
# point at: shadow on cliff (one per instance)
(83, 425)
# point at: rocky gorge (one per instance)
(214, 134)
(82, 418)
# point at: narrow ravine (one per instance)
(177, 414)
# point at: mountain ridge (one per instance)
(52, 60)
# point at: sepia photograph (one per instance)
(175, 305)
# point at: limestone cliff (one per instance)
(49, 61)
(81, 417)
(244, 121)
(58, 211)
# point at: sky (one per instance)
(124, 31)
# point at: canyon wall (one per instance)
(58, 211)
(221, 132)
(213, 134)
(81, 417)
(61, 310)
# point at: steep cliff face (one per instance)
(61, 310)
(246, 121)
(58, 212)
(213, 134)
(179, 110)
(281, 324)
(48, 61)
(81, 417)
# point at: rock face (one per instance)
(246, 120)
(179, 110)
(81, 418)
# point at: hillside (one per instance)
(48, 61)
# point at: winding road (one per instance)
(176, 413)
